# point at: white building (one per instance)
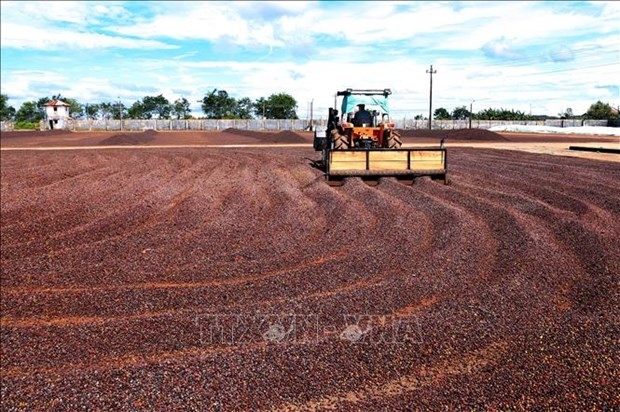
(56, 114)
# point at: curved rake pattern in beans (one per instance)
(236, 279)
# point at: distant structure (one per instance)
(57, 114)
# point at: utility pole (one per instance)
(430, 99)
(120, 111)
(311, 113)
(471, 112)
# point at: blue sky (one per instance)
(538, 57)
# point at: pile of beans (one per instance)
(237, 279)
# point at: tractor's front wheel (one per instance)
(340, 141)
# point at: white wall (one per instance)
(61, 112)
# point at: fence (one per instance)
(135, 125)
(487, 124)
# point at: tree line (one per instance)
(598, 110)
(217, 104)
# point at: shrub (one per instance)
(25, 125)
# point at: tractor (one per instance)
(365, 143)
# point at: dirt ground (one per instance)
(212, 278)
(61, 138)
(533, 143)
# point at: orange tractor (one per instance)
(364, 143)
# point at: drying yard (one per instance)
(218, 271)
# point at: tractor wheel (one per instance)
(340, 142)
(393, 140)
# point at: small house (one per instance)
(57, 114)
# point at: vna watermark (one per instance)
(246, 329)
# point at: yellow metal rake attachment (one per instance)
(376, 163)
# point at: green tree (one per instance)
(441, 114)
(41, 105)
(599, 110)
(118, 110)
(76, 110)
(138, 111)
(91, 110)
(157, 106)
(29, 112)
(6, 112)
(515, 115)
(277, 106)
(106, 110)
(461, 113)
(219, 105)
(259, 107)
(501, 114)
(244, 108)
(112, 110)
(566, 114)
(419, 117)
(489, 114)
(181, 109)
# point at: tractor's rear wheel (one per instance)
(340, 142)
(393, 140)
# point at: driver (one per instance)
(362, 116)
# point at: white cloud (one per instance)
(552, 54)
(202, 20)
(76, 13)
(31, 37)
(21, 83)
(501, 48)
(561, 54)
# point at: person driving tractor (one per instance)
(362, 116)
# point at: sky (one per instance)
(535, 57)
